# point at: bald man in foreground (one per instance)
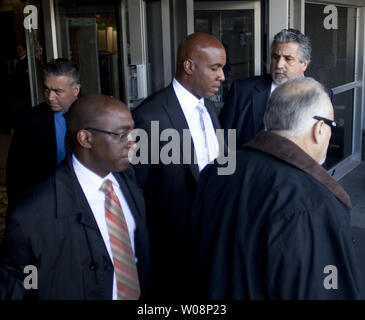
(81, 233)
(169, 189)
(279, 228)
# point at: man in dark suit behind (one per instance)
(169, 189)
(84, 241)
(246, 103)
(22, 99)
(38, 143)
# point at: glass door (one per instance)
(237, 25)
(87, 33)
(334, 65)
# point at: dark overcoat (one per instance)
(278, 228)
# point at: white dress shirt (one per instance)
(189, 103)
(90, 184)
(273, 87)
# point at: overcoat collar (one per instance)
(286, 150)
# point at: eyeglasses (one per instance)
(328, 122)
(122, 136)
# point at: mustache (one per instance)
(280, 71)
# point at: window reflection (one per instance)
(87, 34)
(333, 51)
(341, 140)
(235, 29)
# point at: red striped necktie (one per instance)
(123, 258)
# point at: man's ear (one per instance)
(189, 66)
(76, 90)
(84, 138)
(318, 131)
(305, 65)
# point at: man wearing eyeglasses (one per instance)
(279, 228)
(83, 228)
(246, 103)
(38, 144)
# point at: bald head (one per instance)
(200, 61)
(99, 128)
(293, 104)
(191, 46)
(87, 110)
(297, 110)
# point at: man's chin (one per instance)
(279, 80)
(56, 108)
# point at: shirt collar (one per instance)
(273, 87)
(90, 178)
(186, 99)
(59, 114)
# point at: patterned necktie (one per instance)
(123, 258)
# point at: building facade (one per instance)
(127, 48)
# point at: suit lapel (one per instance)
(259, 101)
(176, 115)
(68, 187)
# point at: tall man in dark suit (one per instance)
(246, 103)
(169, 189)
(38, 143)
(83, 228)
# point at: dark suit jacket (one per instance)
(33, 151)
(53, 228)
(169, 192)
(245, 107)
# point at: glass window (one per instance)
(341, 140)
(333, 54)
(87, 33)
(154, 45)
(235, 29)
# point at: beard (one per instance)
(279, 76)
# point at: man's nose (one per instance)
(221, 75)
(50, 95)
(281, 63)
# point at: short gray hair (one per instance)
(292, 35)
(63, 67)
(293, 105)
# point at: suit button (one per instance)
(108, 268)
(93, 266)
